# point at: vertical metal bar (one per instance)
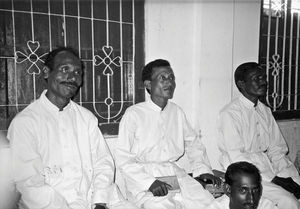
(49, 21)
(290, 63)
(93, 57)
(268, 53)
(121, 54)
(107, 76)
(64, 23)
(32, 24)
(297, 64)
(107, 26)
(33, 39)
(133, 50)
(79, 44)
(15, 62)
(283, 48)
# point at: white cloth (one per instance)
(151, 143)
(9, 196)
(223, 203)
(251, 134)
(60, 158)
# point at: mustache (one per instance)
(263, 86)
(250, 204)
(69, 83)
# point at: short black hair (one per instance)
(148, 69)
(241, 167)
(242, 71)
(49, 61)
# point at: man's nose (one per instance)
(250, 197)
(71, 77)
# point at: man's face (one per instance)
(162, 83)
(245, 192)
(255, 84)
(66, 76)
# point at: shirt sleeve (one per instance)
(103, 165)
(232, 146)
(137, 180)
(195, 150)
(277, 152)
(27, 167)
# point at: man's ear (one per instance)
(147, 85)
(46, 72)
(227, 189)
(241, 85)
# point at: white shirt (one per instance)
(249, 133)
(151, 141)
(60, 158)
(223, 203)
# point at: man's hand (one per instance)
(159, 188)
(208, 178)
(101, 206)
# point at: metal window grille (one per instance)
(279, 53)
(108, 36)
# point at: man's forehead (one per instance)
(65, 57)
(256, 71)
(245, 180)
(162, 70)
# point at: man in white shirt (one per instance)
(60, 159)
(154, 137)
(243, 189)
(248, 132)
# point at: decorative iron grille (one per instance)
(279, 54)
(108, 35)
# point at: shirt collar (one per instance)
(246, 101)
(49, 105)
(155, 107)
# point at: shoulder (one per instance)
(138, 108)
(30, 114)
(264, 107)
(175, 108)
(266, 204)
(220, 203)
(233, 109)
(83, 111)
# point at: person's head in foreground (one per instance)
(63, 72)
(159, 80)
(250, 79)
(243, 185)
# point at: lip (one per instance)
(250, 206)
(70, 85)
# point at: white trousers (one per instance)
(191, 196)
(282, 198)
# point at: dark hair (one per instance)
(148, 69)
(49, 61)
(241, 168)
(242, 71)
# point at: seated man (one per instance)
(243, 189)
(248, 132)
(155, 135)
(59, 156)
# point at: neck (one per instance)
(59, 102)
(161, 102)
(251, 98)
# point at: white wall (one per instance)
(204, 41)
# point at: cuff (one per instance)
(201, 170)
(100, 196)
